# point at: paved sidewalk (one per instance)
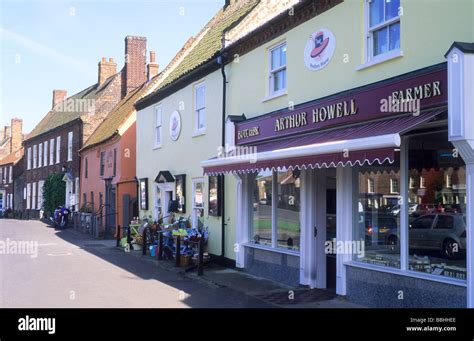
(277, 294)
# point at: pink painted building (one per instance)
(108, 157)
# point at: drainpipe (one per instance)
(220, 60)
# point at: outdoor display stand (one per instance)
(176, 241)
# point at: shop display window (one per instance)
(378, 214)
(437, 207)
(283, 222)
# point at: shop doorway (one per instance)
(110, 208)
(331, 231)
(325, 231)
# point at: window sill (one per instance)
(199, 133)
(272, 249)
(381, 59)
(408, 273)
(275, 95)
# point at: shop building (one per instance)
(352, 154)
(181, 123)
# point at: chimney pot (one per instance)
(59, 96)
(152, 68)
(106, 69)
(6, 132)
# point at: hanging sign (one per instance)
(319, 49)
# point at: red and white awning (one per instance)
(365, 143)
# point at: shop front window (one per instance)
(276, 218)
(378, 226)
(288, 210)
(437, 222)
(262, 209)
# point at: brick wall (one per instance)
(135, 64)
(34, 175)
(103, 106)
(17, 134)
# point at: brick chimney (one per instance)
(17, 134)
(135, 70)
(6, 132)
(59, 96)
(106, 69)
(152, 66)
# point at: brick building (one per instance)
(108, 168)
(54, 143)
(11, 137)
(7, 179)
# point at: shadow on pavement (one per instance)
(198, 294)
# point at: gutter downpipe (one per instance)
(222, 177)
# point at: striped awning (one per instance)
(364, 143)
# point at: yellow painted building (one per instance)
(348, 57)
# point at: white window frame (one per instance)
(271, 72)
(33, 196)
(51, 152)
(58, 149)
(35, 156)
(422, 182)
(392, 189)
(370, 59)
(370, 185)
(40, 155)
(45, 153)
(76, 194)
(199, 110)
(10, 174)
(28, 156)
(449, 181)
(69, 145)
(158, 125)
(411, 183)
(40, 194)
(194, 207)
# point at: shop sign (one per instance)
(407, 95)
(175, 125)
(319, 49)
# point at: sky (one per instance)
(57, 44)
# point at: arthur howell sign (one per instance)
(408, 94)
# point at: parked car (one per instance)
(444, 232)
(379, 227)
(423, 209)
(453, 208)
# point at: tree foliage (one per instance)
(54, 192)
